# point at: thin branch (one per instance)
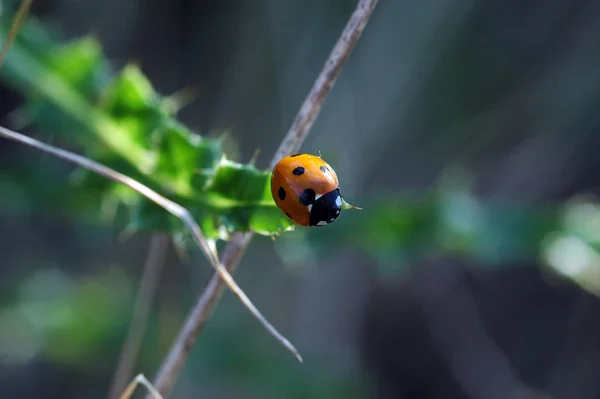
(140, 380)
(291, 143)
(196, 320)
(157, 252)
(14, 28)
(313, 103)
(177, 210)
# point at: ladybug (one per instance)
(307, 190)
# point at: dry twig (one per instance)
(157, 254)
(177, 210)
(140, 380)
(236, 247)
(291, 143)
(14, 28)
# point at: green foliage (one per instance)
(120, 121)
(397, 231)
(52, 308)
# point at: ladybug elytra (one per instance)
(307, 190)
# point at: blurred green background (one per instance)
(467, 130)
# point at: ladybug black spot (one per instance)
(281, 193)
(298, 171)
(288, 215)
(295, 155)
(308, 197)
(323, 169)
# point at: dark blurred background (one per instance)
(486, 109)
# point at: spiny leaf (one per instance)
(130, 92)
(123, 123)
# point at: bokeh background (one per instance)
(469, 132)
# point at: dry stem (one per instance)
(235, 249)
(157, 253)
(291, 143)
(140, 380)
(177, 210)
(14, 28)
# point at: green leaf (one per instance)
(81, 65)
(129, 93)
(123, 123)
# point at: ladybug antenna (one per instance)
(346, 205)
(320, 154)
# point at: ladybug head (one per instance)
(327, 208)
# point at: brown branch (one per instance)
(313, 103)
(140, 380)
(157, 253)
(14, 28)
(199, 315)
(175, 209)
(291, 143)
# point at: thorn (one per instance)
(180, 248)
(126, 234)
(254, 156)
(224, 136)
(346, 205)
(132, 64)
(20, 118)
(93, 34)
(181, 98)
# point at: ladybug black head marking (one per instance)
(326, 209)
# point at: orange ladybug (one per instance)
(307, 190)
